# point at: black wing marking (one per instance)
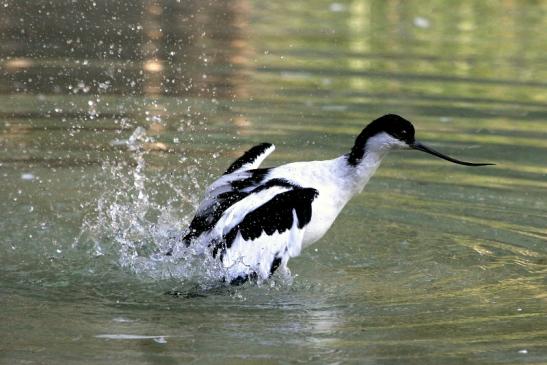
(275, 215)
(248, 157)
(256, 177)
(275, 264)
(231, 191)
(208, 219)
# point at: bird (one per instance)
(253, 220)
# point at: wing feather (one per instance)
(277, 214)
(256, 232)
(261, 257)
(221, 195)
(251, 159)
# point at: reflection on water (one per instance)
(115, 115)
(129, 47)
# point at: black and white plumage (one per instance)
(255, 219)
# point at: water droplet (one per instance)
(160, 339)
(337, 7)
(421, 22)
(122, 320)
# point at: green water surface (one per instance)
(114, 116)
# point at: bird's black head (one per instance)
(392, 131)
(394, 125)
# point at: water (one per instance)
(115, 117)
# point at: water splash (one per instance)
(134, 227)
(120, 336)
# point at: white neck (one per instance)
(365, 170)
(376, 149)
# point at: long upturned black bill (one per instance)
(420, 147)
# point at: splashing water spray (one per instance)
(131, 228)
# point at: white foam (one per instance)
(123, 336)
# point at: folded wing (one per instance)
(257, 241)
(251, 159)
(241, 178)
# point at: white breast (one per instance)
(328, 177)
